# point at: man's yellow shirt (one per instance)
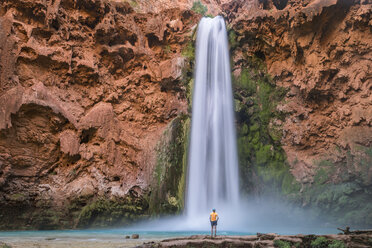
(214, 216)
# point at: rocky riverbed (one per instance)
(363, 239)
(360, 239)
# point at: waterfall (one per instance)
(213, 180)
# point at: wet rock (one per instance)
(4, 245)
(362, 240)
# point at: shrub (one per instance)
(337, 244)
(199, 8)
(319, 242)
(282, 244)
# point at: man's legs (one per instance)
(211, 230)
(215, 230)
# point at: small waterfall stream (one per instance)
(213, 180)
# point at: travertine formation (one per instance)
(87, 88)
(320, 51)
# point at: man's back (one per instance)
(214, 216)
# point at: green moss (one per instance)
(46, 219)
(167, 49)
(17, 197)
(339, 190)
(182, 181)
(105, 212)
(232, 38)
(189, 51)
(259, 146)
(167, 194)
(321, 176)
(246, 83)
(199, 8)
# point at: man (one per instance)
(213, 218)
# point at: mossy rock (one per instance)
(112, 212)
(199, 7)
(169, 182)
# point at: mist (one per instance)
(253, 215)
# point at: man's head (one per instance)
(214, 210)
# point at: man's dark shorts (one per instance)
(214, 223)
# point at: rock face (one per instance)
(319, 53)
(93, 94)
(87, 88)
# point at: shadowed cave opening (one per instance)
(280, 4)
(153, 40)
(268, 4)
(87, 135)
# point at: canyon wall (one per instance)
(95, 100)
(87, 89)
(304, 102)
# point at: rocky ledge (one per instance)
(353, 239)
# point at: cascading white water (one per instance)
(213, 180)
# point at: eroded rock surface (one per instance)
(87, 88)
(320, 51)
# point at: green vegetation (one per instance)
(189, 51)
(282, 244)
(259, 132)
(17, 197)
(199, 8)
(167, 49)
(2, 245)
(104, 212)
(340, 189)
(47, 219)
(319, 242)
(232, 38)
(167, 195)
(337, 244)
(132, 3)
(323, 242)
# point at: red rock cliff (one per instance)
(321, 52)
(87, 88)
